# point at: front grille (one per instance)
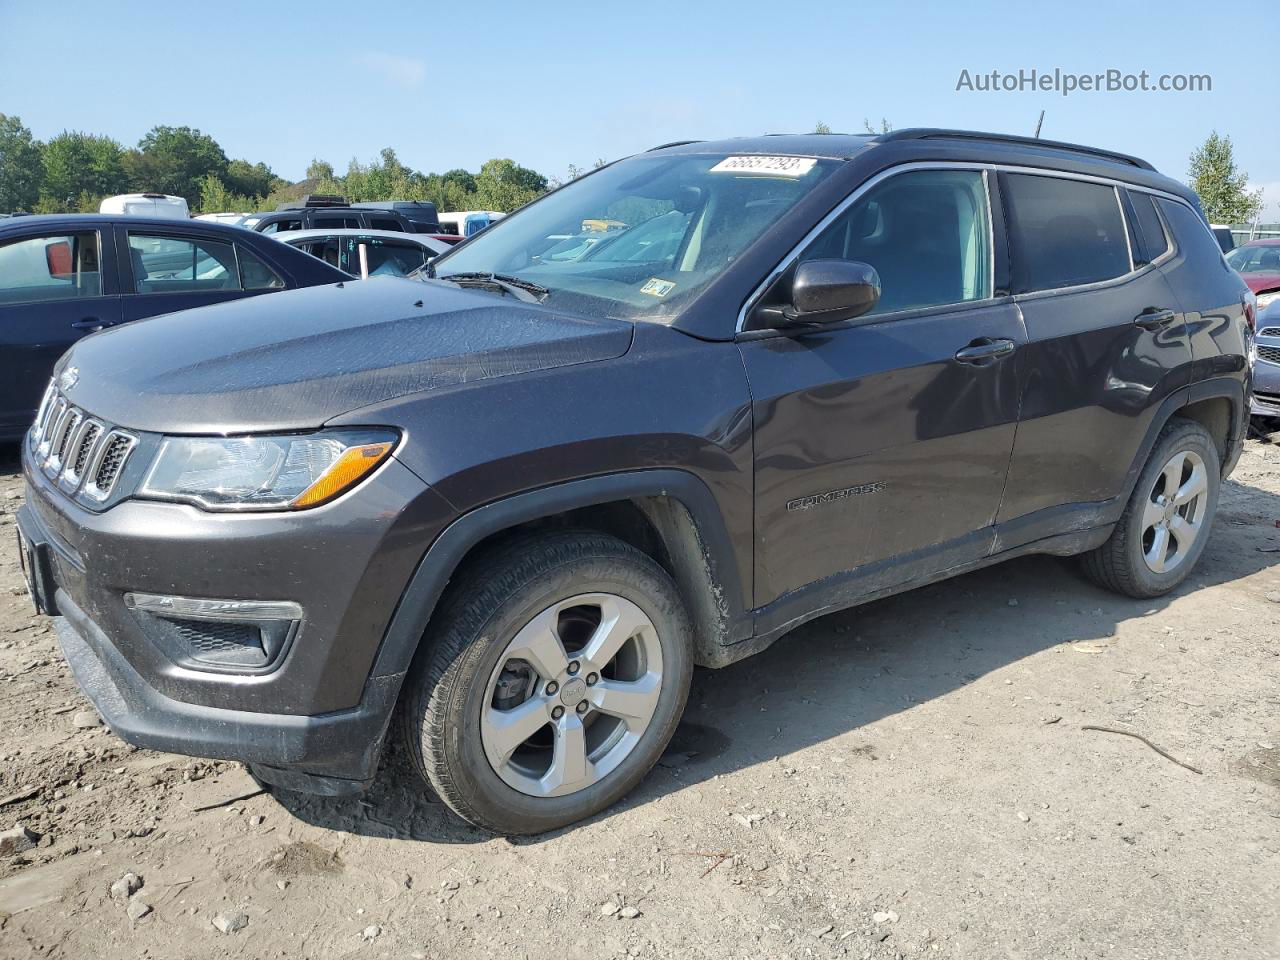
(1269, 332)
(82, 453)
(1269, 354)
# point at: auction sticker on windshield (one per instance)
(766, 166)
(657, 287)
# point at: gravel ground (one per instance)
(909, 778)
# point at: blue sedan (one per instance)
(63, 277)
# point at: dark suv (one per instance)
(511, 505)
(330, 212)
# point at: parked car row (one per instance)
(64, 276)
(655, 419)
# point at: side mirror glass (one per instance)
(57, 257)
(825, 291)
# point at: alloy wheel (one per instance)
(1175, 510)
(571, 695)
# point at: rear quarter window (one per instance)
(1063, 233)
(1192, 233)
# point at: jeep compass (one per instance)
(500, 510)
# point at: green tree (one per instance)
(885, 126)
(79, 170)
(20, 167)
(462, 179)
(1222, 186)
(250, 179)
(821, 127)
(320, 170)
(503, 185)
(175, 160)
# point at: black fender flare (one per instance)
(1228, 388)
(440, 561)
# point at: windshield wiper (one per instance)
(520, 289)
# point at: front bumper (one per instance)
(315, 720)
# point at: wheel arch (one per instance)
(1219, 404)
(670, 515)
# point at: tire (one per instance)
(1124, 563)
(468, 681)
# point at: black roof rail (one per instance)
(673, 143)
(930, 133)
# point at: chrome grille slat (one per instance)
(81, 453)
(108, 463)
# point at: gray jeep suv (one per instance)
(502, 510)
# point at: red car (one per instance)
(1258, 262)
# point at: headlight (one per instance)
(1266, 299)
(267, 472)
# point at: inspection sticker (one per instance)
(766, 166)
(657, 288)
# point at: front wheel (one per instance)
(1166, 523)
(552, 684)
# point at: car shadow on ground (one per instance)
(844, 671)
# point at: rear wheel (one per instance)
(1166, 523)
(553, 683)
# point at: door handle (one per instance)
(984, 350)
(92, 324)
(1153, 318)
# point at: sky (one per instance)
(549, 85)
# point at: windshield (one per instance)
(642, 237)
(1255, 258)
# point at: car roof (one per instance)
(70, 220)
(290, 235)
(934, 143)
(1261, 242)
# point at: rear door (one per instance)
(882, 443)
(1107, 343)
(55, 287)
(164, 270)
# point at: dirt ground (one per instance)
(908, 778)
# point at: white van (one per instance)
(467, 222)
(146, 205)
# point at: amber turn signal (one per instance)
(346, 472)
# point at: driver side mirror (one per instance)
(825, 291)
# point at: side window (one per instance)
(1154, 241)
(337, 223)
(280, 226)
(57, 267)
(177, 265)
(1063, 233)
(380, 223)
(928, 235)
(1192, 233)
(254, 274)
(394, 259)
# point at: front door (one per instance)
(882, 443)
(52, 293)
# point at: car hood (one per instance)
(1261, 281)
(296, 359)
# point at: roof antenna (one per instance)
(1039, 124)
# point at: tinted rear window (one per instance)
(1063, 233)
(1194, 238)
(1150, 229)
